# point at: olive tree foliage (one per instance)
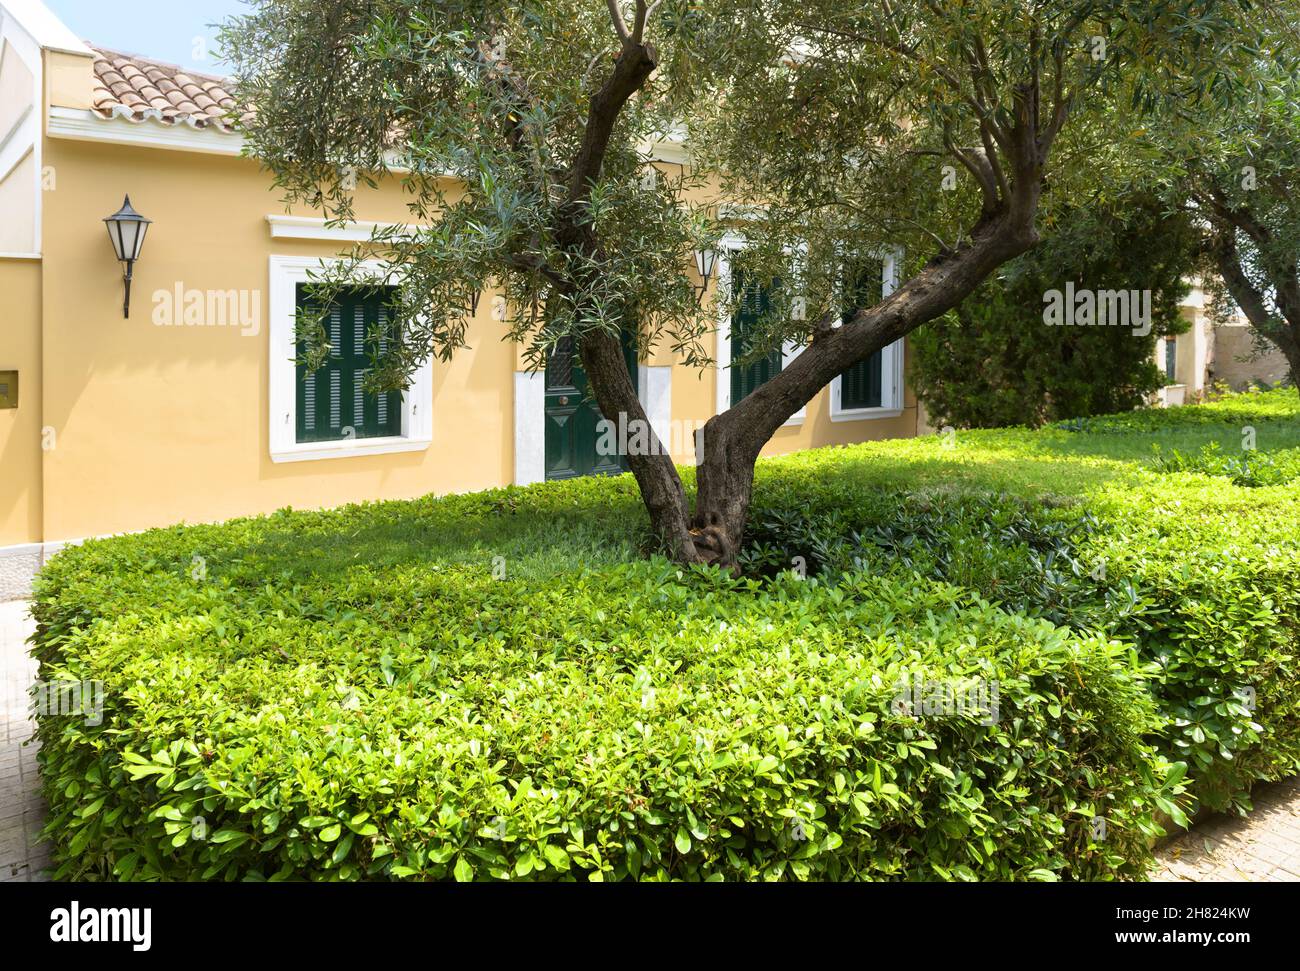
(513, 132)
(519, 133)
(1238, 170)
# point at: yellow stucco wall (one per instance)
(20, 428)
(159, 425)
(69, 79)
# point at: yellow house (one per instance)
(191, 409)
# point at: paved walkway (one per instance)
(22, 810)
(1264, 846)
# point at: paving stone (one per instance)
(22, 810)
(1261, 847)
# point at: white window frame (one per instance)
(891, 378)
(286, 272)
(730, 244)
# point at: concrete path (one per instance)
(1264, 846)
(22, 811)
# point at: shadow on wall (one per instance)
(1237, 360)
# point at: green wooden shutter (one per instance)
(862, 386)
(332, 402)
(754, 304)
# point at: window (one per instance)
(332, 402)
(327, 415)
(862, 385)
(872, 388)
(754, 303)
(1171, 359)
(735, 333)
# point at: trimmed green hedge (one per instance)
(634, 723)
(1194, 564)
(497, 686)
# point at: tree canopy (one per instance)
(1238, 172)
(521, 132)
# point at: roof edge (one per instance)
(47, 30)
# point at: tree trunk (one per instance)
(733, 440)
(661, 486)
(1284, 332)
(724, 479)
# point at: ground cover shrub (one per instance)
(1201, 576)
(500, 686)
(1249, 468)
(638, 722)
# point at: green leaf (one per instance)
(464, 872)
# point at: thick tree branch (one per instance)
(620, 26)
(635, 64)
(1223, 250)
(978, 166)
(1000, 235)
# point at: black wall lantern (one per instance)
(127, 228)
(705, 260)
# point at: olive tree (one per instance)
(519, 132)
(1238, 170)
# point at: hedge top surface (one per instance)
(1112, 464)
(498, 685)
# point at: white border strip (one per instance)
(307, 227)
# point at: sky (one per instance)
(175, 31)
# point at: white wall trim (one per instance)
(891, 381)
(729, 244)
(123, 127)
(27, 27)
(82, 124)
(655, 386)
(286, 272)
(669, 150)
(17, 142)
(308, 227)
(530, 427)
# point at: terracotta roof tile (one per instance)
(139, 88)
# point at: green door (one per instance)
(754, 303)
(573, 419)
